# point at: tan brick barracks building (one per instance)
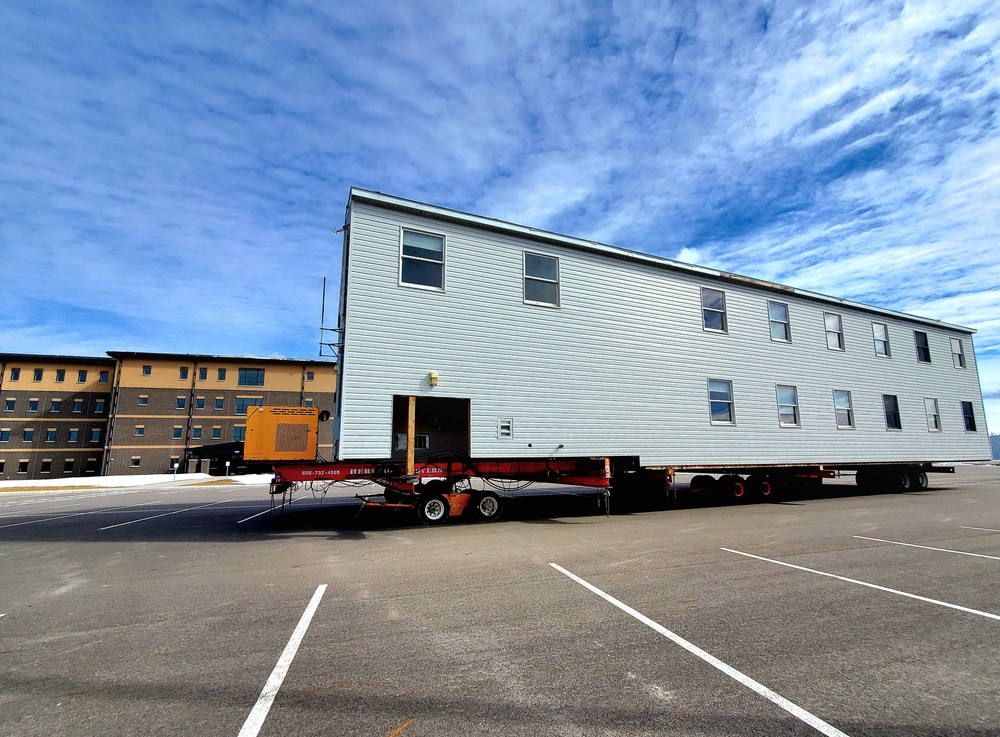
(139, 413)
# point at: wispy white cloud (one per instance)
(169, 173)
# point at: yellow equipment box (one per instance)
(281, 433)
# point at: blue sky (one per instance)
(169, 172)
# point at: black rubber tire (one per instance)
(702, 482)
(733, 487)
(919, 480)
(761, 487)
(487, 506)
(900, 480)
(433, 509)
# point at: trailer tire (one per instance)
(432, 509)
(900, 480)
(920, 480)
(487, 506)
(702, 482)
(733, 487)
(761, 486)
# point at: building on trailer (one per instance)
(521, 343)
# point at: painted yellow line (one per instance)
(399, 730)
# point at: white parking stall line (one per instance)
(869, 585)
(165, 514)
(260, 710)
(984, 529)
(77, 514)
(252, 516)
(797, 711)
(927, 547)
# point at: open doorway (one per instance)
(442, 426)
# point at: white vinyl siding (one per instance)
(621, 368)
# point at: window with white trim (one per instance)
(713, 310)
(505, 427)
(834, 331)
(541, 279)
(923, 347)
(421, 259)
(933, 415)
(720, 402)
(969, 416)
(880, 334)
(957, 353)
(844, 409)
(893, 420)
(788, 405)
(777, 315)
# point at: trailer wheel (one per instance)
(899, 480)
(920, 480)
(432, 509)
(702, 482)
(488, 506)
(761, 486)
(733, 486)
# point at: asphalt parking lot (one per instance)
(189, 610)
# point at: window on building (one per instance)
(183, 373)
(22, 465)
(46, 466)
(91, 466)
(923, 347)
(250, 377)
(933, 415)
(196, 432)
(219, 403)
(834, 331)
(843, 408)
(68, 465)
(788, 405)
(60, 375)
(81, 376)
(422, 441)
(78, 405)
(32, 405)
(713, 309)
(15, 374)
(74, 434)
(103, 377)
(422, 260)
(178, 432)
(243, 402)
(199, 403)
(216, 433)
(181, 402)
(307, 402)
(3, 465)
(222, 374)
(890, 404)
(969, 415)
(720, 400)
(310, 375)
(202, 373)
(98, 406)
(957, 353)
(135, 462)
(95, 435)
(239, 433)
(880, 334)
(541, 279)
(9, 404)
(140, 431)
(147, 370)
(777, 315)
(56, 405)
(175, 461)
(505, 427)
(143, 400)
(38, 374)
(50, 435)
(4, 434)
(28, 435)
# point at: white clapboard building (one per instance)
(521, 343)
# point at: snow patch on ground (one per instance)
(144, 480)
